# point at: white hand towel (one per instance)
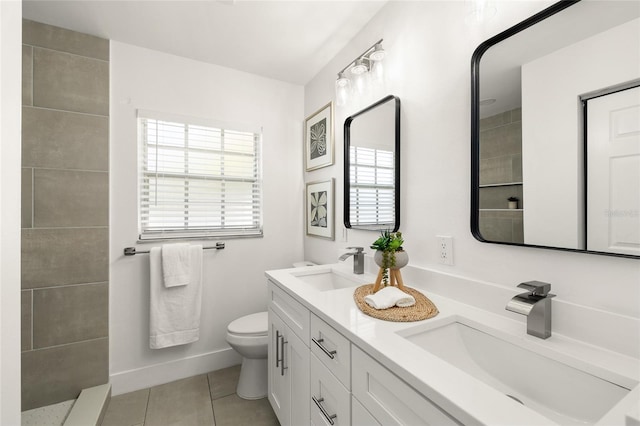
(388, 297)
(175, 311)
(175, 264)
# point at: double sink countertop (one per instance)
(456, 389)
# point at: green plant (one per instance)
(388, 243)
(512, 199)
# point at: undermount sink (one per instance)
(560, 392)
(326, 278)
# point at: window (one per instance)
(372, 187)
(198, 180)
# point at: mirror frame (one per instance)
(346, 174)
(475, 128)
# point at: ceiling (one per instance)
(284, 40)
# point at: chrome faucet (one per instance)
(358, 259)
(536, 305)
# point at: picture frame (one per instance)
(320, 209)
(318, 138)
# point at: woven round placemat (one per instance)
(423, 309)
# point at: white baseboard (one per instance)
(153, 375)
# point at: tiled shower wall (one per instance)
(65, 213)
(500, 168)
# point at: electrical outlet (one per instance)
(445, 249)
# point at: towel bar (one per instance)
(130, 251)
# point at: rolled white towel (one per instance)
(388, 297)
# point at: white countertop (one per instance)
(466, 398)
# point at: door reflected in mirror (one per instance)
(372, 167)
(547, 171)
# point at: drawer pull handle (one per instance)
(324, 412)
(278, 360)
(330, 354)
(282, 343)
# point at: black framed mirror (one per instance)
(372, 167)
(548, 170)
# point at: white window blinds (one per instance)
(372, 187)
(198, 181)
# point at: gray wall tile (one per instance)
(58, 374)
(496, 170)
(183, 402)
(26, 319)
(495, 197)
(53, 257)
(69, 82)
(504, 140)
(56, 38)
(64, 140)
(27, 198)
(518, 230)
(64, 71)
(495, 121)
(27, 75)
(516, 115)
(66, 198)
(502, 226)
(70, 314)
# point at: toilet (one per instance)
(248, 336)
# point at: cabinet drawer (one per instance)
(332, 349)
(292, 312)
(360, 416)
(330, 401)
(389, 399)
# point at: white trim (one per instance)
(198, 121)
(153, 375)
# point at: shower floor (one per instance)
(50, 415)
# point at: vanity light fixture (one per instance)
(356, 73)
(479, 11)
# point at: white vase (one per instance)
(513, 205)
(402, 259)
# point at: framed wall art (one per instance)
(320, 209)
(318, 138)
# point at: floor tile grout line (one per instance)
(146, 407)
(213, 411)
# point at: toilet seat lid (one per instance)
(254, 324)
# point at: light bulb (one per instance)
(343, 89)
(359, 67)
(378, 53)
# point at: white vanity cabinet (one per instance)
(288, 358)
(317, 376)
(388, 399)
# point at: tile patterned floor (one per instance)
(205, 400)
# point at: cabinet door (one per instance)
(360, 416)
(329, 400)
(279, 387)
(389, 399)
(288, 373)
(296, 364)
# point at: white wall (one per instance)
(234, 282)
(429, 54)
(10, 128)
(552, 131)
